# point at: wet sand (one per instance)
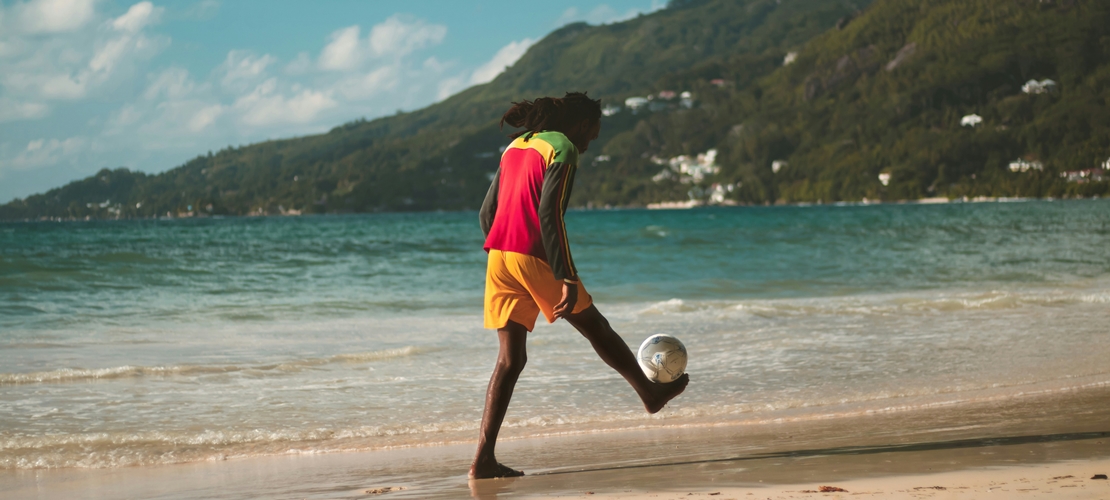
(1021, 441)
(1063, 480)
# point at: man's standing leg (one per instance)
(615, 353)
(510, 362)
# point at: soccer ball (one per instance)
(663, 358)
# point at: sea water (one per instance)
(167, 341)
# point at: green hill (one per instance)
(842, 113)
(851, 108)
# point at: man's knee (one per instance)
(591, 323)
(513, 361)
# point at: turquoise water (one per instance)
(163, 341)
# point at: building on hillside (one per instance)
(686, 100)
(718, 192)
(687, 169)
(635, 103)
(1106, 164)
(884, 178)
(1081, 176)
(1022, 165)
(656, 105)
(667, 94)
(1041, 87)
(664, 175)
(611, 110)
(671, 205)
(971, 120)
(790, 58)
(778, 165)
(720, 82)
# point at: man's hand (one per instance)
(570, 297)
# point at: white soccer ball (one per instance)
(663, 358)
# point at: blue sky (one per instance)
(90, 84)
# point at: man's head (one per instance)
(575, 115)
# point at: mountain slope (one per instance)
(402, 162)
(887, 94)
(880, 90)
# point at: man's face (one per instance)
(585, 133)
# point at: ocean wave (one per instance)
(64, 375)
(900, 304)
(121, 449)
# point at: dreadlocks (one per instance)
(551, 113)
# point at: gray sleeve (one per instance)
(557, 184)
(489, 205)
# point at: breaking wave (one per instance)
(64, 375)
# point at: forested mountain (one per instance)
(836, 92)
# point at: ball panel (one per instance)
(662, 357)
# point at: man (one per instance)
(530, 269)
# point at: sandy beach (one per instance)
(1023, 445)
(1064, 480)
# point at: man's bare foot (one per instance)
(487, 469)
(660, 394)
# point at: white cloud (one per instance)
(153, 117)
(264, 106)
(172, 83)
(205, 117)
(604, 14)
(342, 52)
(205, 9)
(109, 54)
(12, 110)
(449, 86)
(504, 57)
(299, 66)
(394, 38)
(73, 64)
(173, 105)
(62, 87)
(138, 16)
(370, 84)
(242, 66)
(433, 63)
(130, 41)
(127, 115)
(399, 36)
(54, 16)
(43, 152)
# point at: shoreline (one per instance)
(662, 205)
(1070, 479)
(779, 458)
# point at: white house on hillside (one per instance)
(1081, 176)
(686, 99)
(971, 120)
(778, 165)
(1041, 87)
(687, 169)
(635, 103)
(884, 178)
(1021, 165)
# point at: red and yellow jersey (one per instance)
(524, 208)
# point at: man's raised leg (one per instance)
(612, 349)
(510, 362)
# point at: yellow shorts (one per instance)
(519, 287)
